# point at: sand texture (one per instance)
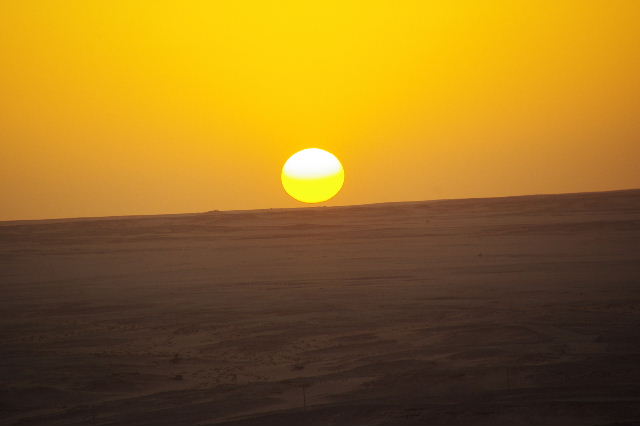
(504, 311)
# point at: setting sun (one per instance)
(312, 175)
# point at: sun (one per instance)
(312, 175)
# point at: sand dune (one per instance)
(518, 310)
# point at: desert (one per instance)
(498, 311)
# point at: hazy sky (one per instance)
(135, 107)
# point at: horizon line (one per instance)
(318, 205)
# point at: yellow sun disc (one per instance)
(312, 175)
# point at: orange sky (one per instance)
(136, 107)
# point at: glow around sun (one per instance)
(312, 175)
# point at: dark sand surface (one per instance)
(504, 311)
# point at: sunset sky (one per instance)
(142, 107)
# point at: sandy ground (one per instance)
(506, 311)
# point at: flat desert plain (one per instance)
(503, 311)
